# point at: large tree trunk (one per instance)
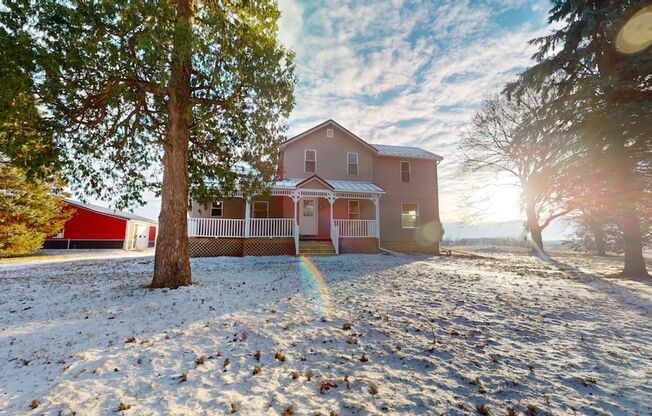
(632, 244)
(534, 228)
(626, 187)
(597, 230)
(172, 264)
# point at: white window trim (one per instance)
(253, 208)
(416, 219)
(211, 210)
(357, 163)
(305, 159)
(348, 208)
(329, 133)
(400, 168)
(59, 234)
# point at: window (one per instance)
(58, 235)
(352, 160)
(354, 210)
(261, 209)
(409, 215)
(217, 208)
(405, 171)
(308, 208)
(329, 133)
(310, 161)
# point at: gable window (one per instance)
(329, 133)
(217, 208)
(405, 171)
(261, 209)
(354, 210)
(310, 161)
(352, 161)
(409, 215)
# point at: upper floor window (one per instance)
(261, 209)
(217, 208)
(352, 161)
(310, 161)
(405, 172)
(409, 215)
(354, 210)
(329, 133)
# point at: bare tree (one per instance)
(518, 137)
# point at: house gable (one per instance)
(331, 154)
(314, 182)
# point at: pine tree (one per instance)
(28, 212)
(195, 89)
(606, 96)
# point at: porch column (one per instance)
(377, 206)
(247, 217)
(331, 200)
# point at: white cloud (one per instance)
(406, 75)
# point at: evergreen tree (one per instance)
(28, 212)
(605, 93)
(198, 88)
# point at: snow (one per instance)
(442, 335)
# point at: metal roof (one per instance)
(405, 151)
(108, 211)
(343, 186)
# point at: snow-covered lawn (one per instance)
(408, 335)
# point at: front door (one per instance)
(308, 217)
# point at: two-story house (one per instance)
(338, 194)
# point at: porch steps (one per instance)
(316, 248)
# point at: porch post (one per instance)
(247, 217)
(377, 206)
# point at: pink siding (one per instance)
(331, 156)
(422, 189)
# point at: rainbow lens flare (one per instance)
(314, 279)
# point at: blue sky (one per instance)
(410, 72)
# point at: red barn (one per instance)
(92, 226)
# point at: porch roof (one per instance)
(341, 186)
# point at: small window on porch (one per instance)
(261, 209)
(354, 210)
(409, 215)
(405, 171)
(310, 161)
(352, 159)
(217, 208)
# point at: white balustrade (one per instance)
(235, 228)
(215, 227)
(271, 227)
(356, 228)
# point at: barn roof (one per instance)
(108, 211)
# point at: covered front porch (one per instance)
(309, 209)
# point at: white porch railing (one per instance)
(356, 228)
(335, 233)
(271, 227)
(215, 227)
(296, 237)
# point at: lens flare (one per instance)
(314, 279)
(636, 34)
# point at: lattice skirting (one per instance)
(269, 247)
(410, 247)
(358, 245)
(215, 247)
